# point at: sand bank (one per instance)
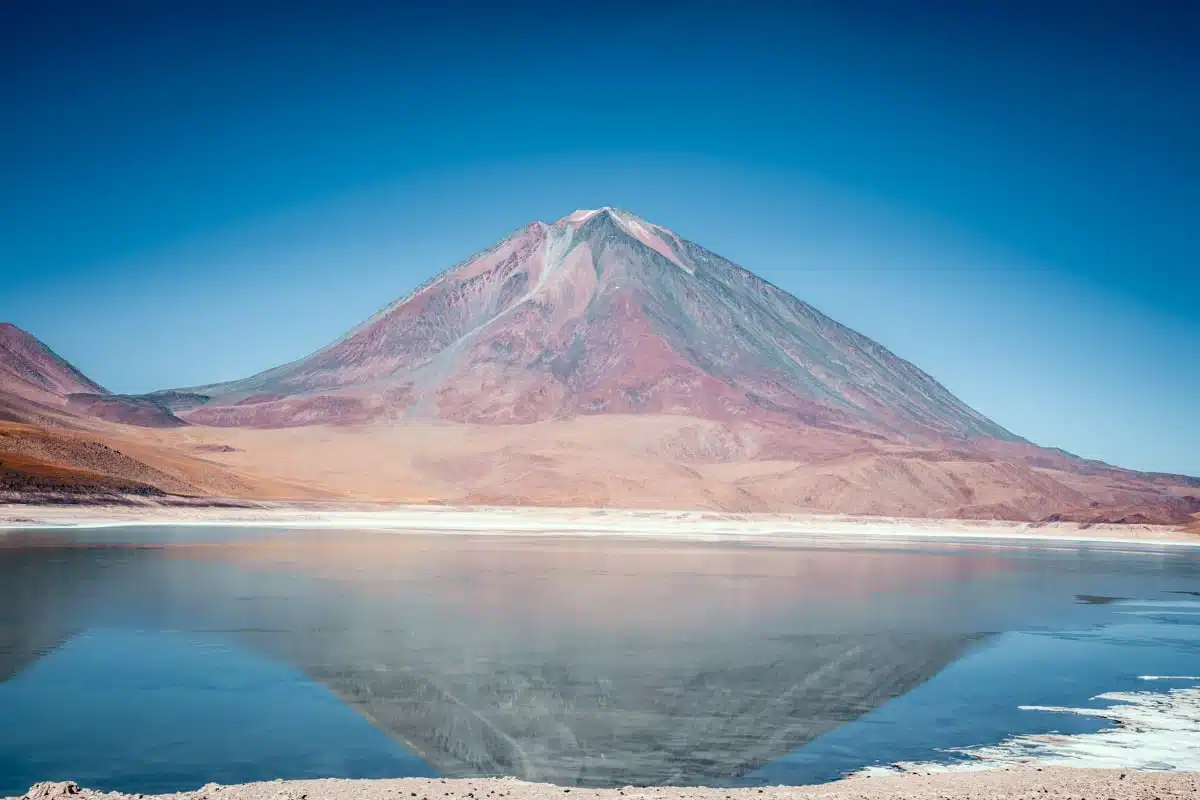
(534, 521)
(1047, 784)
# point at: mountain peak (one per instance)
(582, 215)
(664, 242)
(619, 215)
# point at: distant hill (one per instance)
(64, 438)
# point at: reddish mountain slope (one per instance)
(600, 312)
(36, 385)
(145, 412)
(30, 368)
(58, 440)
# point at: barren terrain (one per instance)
(1024, 784)
(668, 461)
(614, 461)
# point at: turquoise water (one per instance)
(193, 709)
(158, 659)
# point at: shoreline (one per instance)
(1047, 783)
(704, 526)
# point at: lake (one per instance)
(152, 659)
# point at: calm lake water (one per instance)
(157, 659)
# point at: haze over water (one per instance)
(153, 659)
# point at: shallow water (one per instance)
(155, 659)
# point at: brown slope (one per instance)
(36, 478)
(660, 461)
(57, 457)
(105, 459)
(907, 485)
(629, 461)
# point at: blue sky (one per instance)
(1004, 192)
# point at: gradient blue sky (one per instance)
(1005, 192)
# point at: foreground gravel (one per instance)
(1026, 784)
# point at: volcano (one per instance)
(599, 360)
(600, 312)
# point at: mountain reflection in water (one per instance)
(571, 661)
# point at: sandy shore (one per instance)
(1050, 783)
(684, 525)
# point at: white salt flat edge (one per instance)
(662, 524)
(1155, 731)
